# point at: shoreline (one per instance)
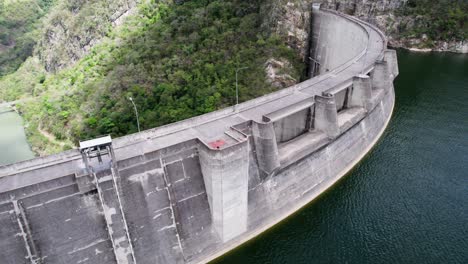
(424, 50)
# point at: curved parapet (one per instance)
(191, 191)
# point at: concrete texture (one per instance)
(190, 191)
(326, 115)
(226, 175)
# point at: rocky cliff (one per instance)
(75, 26)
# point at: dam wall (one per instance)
(191, 191)
(334, 42)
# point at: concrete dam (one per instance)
(191, 191)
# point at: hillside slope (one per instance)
(175, 60)
(20, 23)
(82, 60)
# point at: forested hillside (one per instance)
(20, 23)
(442, 20)
(82, 59)
(175, 60)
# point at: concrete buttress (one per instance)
(361, 94)
(391, 57)
(226, 175)
(266, 148)
(326, 116)
(381, 75)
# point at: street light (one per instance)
(136, 112)
(237, 87)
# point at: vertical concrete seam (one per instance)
(116, 186)
(163, 164)
(25, 233)
(109, 229)
(222, 200)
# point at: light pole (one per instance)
(237, 87)
(136, 112)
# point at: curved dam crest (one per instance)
(191, 191)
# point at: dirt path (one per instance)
(49, 136)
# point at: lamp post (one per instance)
(237, 87)
(136, 112)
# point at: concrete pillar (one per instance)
(226, 177)
(391, 57)
(381, 75)
(361, 94)
(266, 148)
(326, 116)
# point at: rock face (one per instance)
(363, 8)
(289, 19)
(275, 73)
(75, 27)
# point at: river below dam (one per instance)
(406, 202)
(13, 144)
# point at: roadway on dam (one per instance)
(406, 202)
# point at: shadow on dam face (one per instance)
(191, 191)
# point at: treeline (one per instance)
(175, 60)
(440, 20)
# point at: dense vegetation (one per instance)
(176, 61)
(444, 20)
(74, 26)
(19, 24)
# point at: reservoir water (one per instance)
(407, 201)
(13, 144)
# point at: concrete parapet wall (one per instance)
(190, 191)
(335, 41)
(266, 147)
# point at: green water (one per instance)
(406, 202)
(13, 144)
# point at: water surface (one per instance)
(13, 144)
(407, 201)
